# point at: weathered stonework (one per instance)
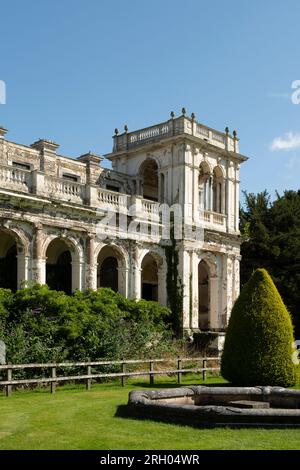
(52, 208)
(201, 406)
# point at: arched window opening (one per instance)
(108, 273)
(149, 173)
(8, 261)
(204, 187)
(149, 278)
(59, 266)
(218, 190)
(110, 262)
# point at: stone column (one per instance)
(91, 264)
(77, 275)
(39, 262)
(135, 273)
(214, 302)
(23, 269)
(230, 199)
(223, 200)
(123, 281)
(236, 278)
(196, 199)
(184, 273)
(237, 197)
(227, 291)
(137, 282)
(194, 291)
(162, 286)
(211, 193)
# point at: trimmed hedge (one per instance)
(258, 345)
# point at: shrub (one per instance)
(258, 344)
(38, 324)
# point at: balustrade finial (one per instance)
(116, 131)
(126, 128)
(172, 114)
(193, 115)
(234, 133)
(226, 130)
(183, 111)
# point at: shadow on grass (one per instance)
(176, 385)
(130, 412)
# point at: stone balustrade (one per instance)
(173, 127)
(15, 178)
(112, 200)
(37, 183)
(213, 219)
(59, 188)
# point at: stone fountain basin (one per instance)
(202, 406)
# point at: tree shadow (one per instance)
(176, 385)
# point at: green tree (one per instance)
(259, 341)
(271, 234)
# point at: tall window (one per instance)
(204, 187)
(218, 182)
(149, 173)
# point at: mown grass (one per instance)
(77, 419)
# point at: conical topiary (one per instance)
(259, 340)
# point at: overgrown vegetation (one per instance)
(258, 344)
(38, 324)
(174, 283)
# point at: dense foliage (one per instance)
(271, 232)
(258, 344)
(38, 324)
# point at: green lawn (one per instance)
(76, 419)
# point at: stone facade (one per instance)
(73, 224)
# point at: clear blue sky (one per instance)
(76, 69)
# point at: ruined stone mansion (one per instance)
(54, 213)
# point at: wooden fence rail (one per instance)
(89, 376)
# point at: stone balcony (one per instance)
(182, 125)
(36, 183)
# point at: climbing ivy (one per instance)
(174, 285)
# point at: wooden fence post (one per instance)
(9, 387)
(53, 376)
(204, 370)
(88, 383)
(151, 368)
(179, 373)
(123, 379)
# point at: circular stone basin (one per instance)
(218, 406)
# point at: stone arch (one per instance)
(208, 276)
(112, 268)
(205, 168)
(14, 251)
(64, 262)
(149, 174)
(153, 282)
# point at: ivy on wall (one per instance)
(174, 285)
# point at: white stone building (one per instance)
(54, 212)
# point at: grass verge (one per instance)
(76, 419)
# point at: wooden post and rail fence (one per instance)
(54, 378)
